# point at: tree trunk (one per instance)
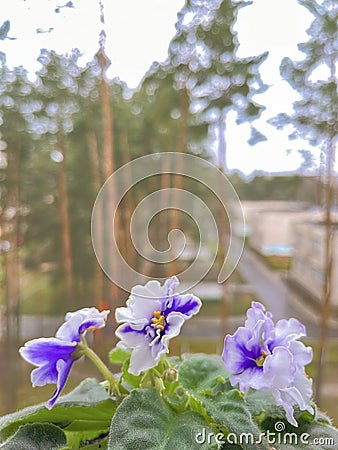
(222, 218)
(67, 260)
(329, 245)
(111, 225)
(178, 179)
(128, 204)
(11, 259)
(96, 177)
(328, 265)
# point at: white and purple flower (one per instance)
(154, 314)
(55, 356)
(268, 357)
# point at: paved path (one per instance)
(266, 284)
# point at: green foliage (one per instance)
(118, 355)
(201, 373)
(281, 187)
(36, 437)
(144, 420)
(83, 414)
(315, 114)
(187, 404)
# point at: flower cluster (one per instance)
(261, 355)
(268, 357)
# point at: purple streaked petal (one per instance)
(170, 286)
(94, 323)
(45, 374)
(236, 356)
(252, 377)
(126, 315)
(43, 350)
(186, 304)
(63, 369)
(253, 343)
(129, 336)
(79, 321)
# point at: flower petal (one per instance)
(79, 321)
(173, 327)
(252, 377)
(288, 330)
(255, 313)
(144, 300)
(286, 404)
(63, 369)
(45, 374)
(44, 350)
(170, 285)
(279, 368)
(130, 337)
(302, 355)
(303, 385)
(144, 358)
(236, 356)
(186, 304)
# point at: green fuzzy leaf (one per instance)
(263, 403)
(145, 421)
(118, 355)
(202, 373)
(229, 411)
(314, 436)
(87, 409)
(258, 402)
(36, 437)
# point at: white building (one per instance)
(269, 224)
(308, 263)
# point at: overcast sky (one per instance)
(138, 33)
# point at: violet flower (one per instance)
(268, 357)
(55, 356)
(154, 314)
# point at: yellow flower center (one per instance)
(158, 320)
(261, 359)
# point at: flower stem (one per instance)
(87, 351)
